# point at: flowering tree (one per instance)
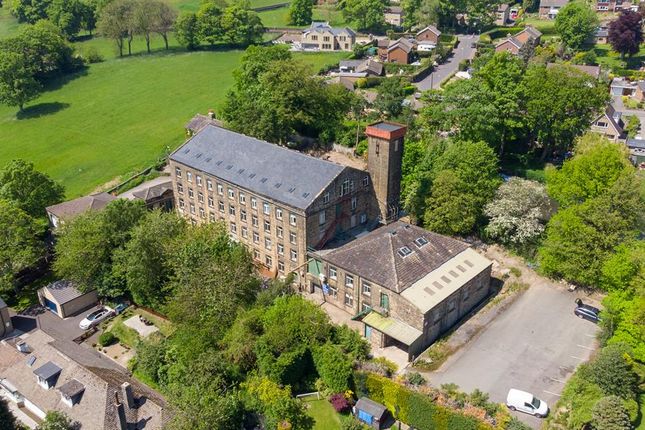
(518, 213)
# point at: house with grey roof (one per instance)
(636, 152)
(281, 202)
(55, 375)
(610, 124)
(393, 15)
(549, 8)
(155, 193)
(70, 209)
(406, 285)
(371, 413)
(64, 299)
(321, 36)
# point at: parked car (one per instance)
(518, 400)
(96, 317)
(587, 312)
(120, 308)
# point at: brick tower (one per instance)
(385, 155)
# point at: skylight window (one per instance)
(404, 251)
(420, 241)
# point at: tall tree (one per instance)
(30, 11)
(164, 20)
(20, 249)
(55, 420)
(576, 23)
(241, 27)
(29, 189)
(115, 22)
(626, 33)
(367, 13)
(609, 413)
(389, 98)
(143, 19)
(17, 83)
(67, 15)
(7, 420)
(209, 18)
(187, 30)
(300, 12)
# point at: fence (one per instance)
(342, 149)
(270, 7)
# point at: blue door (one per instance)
(365, 417)
(51, 306)
(368, 332)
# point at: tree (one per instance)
(609, 413)
(7, 420)
(240, 26)
(115, 21)
(17, 84)
(29, 189)
(67, 15)
(300, 12)
(596, 166)
(164, 20)
(451, 209)
(209, 18)
(576, 23)
(613, 371)
(368, 13)
(19, 249)
(55, 420)
(277, 404)
(518, 212)
(29, 11)
(334, 367)
(626, 33)
(389, 98)
(143, 19)
(187, 30)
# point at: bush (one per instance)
(353, 424)
(107, 338)
(333, 366)
(613, 372)
(415, 378)
(340, 403)
(361, 147)
(93, 56)
(409, 89)
(369, 82)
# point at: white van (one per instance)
(526, 402)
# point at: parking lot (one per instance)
(534, 345)
(50, 323)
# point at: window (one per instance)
(367, 288)
(280, 249)
(466, 294)
(245, 232)
(292, 237)
(181, 204)
(314, 37)
(332, 272)
(256, 237)
(256, 254)
(353, 203)
(220, 206)
(325, 38)
(349, 299)
(396, 145)
(266, 208)
(199, 181)
(294, 255)
(326, 198)
(180, 188)
(363, 218)
(267, 243)
(280, 266)
(420, 241)
(365, 307)
(268, 261)
(178, 172)
(191, 194)
(349, 281)
(192, 208)
(254, 220)
(451, 305)
(437, 317)
(321, 218)
(211, 216)
(366, 181)
(211, 202)
(404, 251)
(279, 232)
(242, 198)
(202, 213)
(189, 176)
(344, 188)
(333, 291)
(233, 228)
(278, 213)
(267, 226)
(385, 301)
(601, 124)
(254, 203)
(231, 193)
(209, 184)
(292, 219)
(231, 210)
(220, 189)
(200, 197)
(243, 215)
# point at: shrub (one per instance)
(463, 65)
(361, 147)
(107, 338)
(516, 272)
(93, 56)
(415, 378)
(613, 372)
(609, 413)
(333, 366)
(353, 424)
(340, 403)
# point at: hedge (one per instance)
(498, 33)
(415, 409)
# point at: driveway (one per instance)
(50, 323)
(617, 101)
(463, 51)
(534, 345)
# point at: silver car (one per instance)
(95, 318)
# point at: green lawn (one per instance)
(326, 418)
(610, 59)
(8, 24)
(280, 17)
(546, 26)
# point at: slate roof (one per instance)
(371, 407)
(320, 26)
(73, 208)
(2, 303)
(370, 66)
(635, 143)
(200, 121)
(402, 43)
(48, 370)
(71, 388)
(63, 291)
(553, 3)
(432, 28)
(375, 256)
(269, 170)
(149, 190)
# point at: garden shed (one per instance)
(64, 299)
(370, 412)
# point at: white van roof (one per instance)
(515, 396)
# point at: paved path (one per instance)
(463, 51)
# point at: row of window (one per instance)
(268, 261)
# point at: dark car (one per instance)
(587, 312)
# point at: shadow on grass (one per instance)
(41, 109)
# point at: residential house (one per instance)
(593, 71)
(405, 284)
(156, 193)
(280, 202)
(395, 51)
(639, 91)
(394, 15)
(323, 37)
(69, 210)
(199, 121)
(514, 44)
(367, 67)
(622, 87)
(636, 152)
(616, 5)
(609, 124)
(502, 14)
(6, 327)
(371, 413)
(549, 8)
(430, 35)
(64, 299)
(39, 374)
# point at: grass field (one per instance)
(280, 17)
(546, 26)
(326, 418)
(8, 24)
(610, 59)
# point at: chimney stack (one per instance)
(211, 113)
(122, 422)
(126, 392)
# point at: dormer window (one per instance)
(47, 375)
(404, 251)
(420, 241)
(71, 392)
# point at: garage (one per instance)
(64, 299)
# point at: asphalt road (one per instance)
(534, 345)
(464, 50)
